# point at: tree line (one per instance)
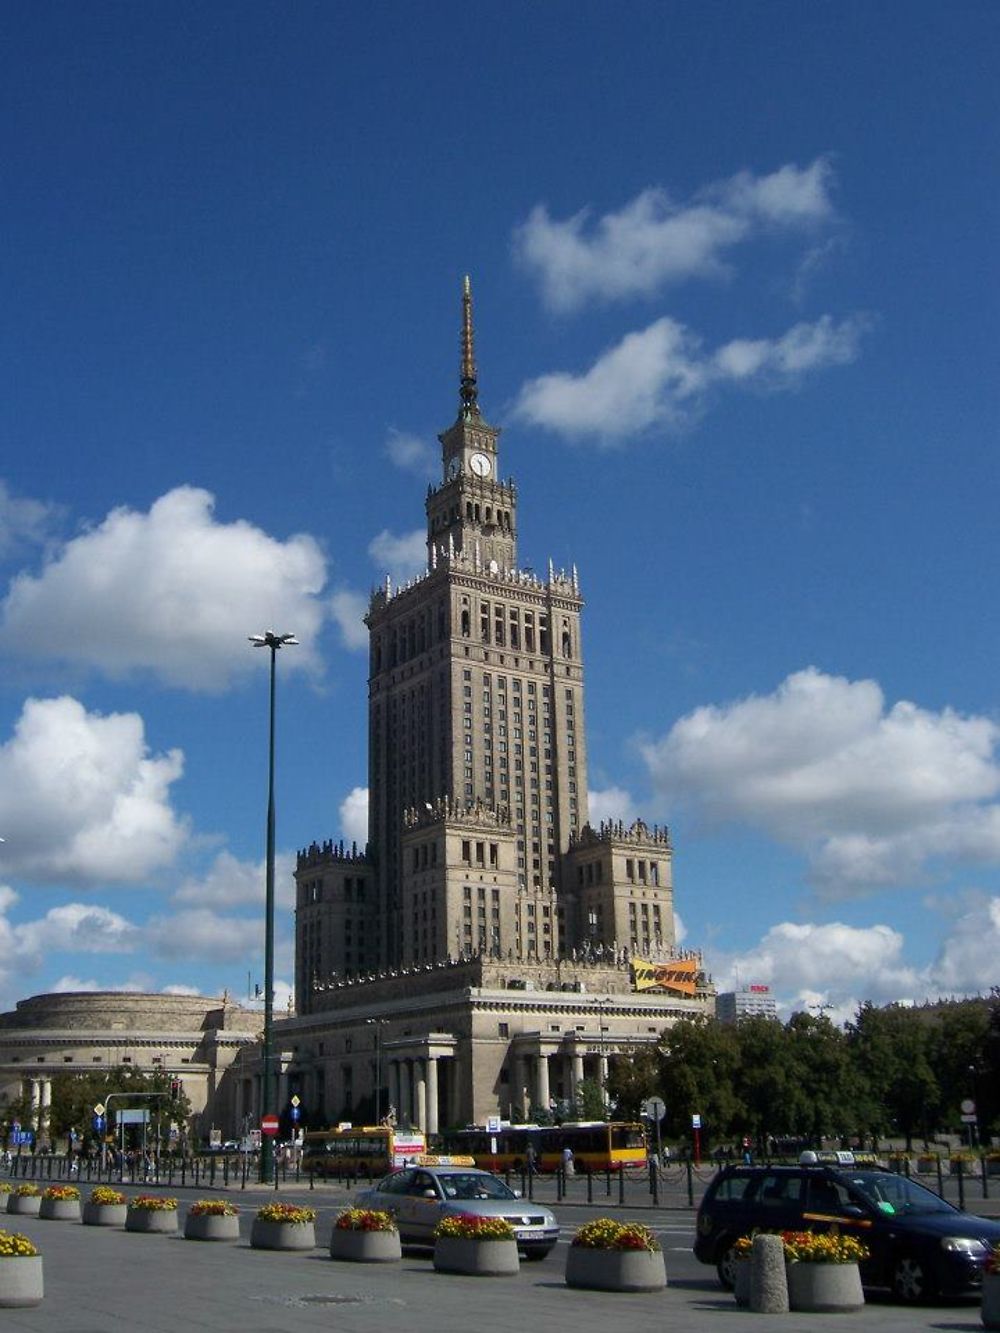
(896, 1071)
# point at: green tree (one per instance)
(700, 1066)
(633, 1079)
(589, 1103)
(74, 1097)
(891, 1048)
(828, 1085)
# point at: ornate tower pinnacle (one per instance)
(469, 389)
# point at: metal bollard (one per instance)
(312, 1179)
(940, 1175)
(654, 1182)
(961, 1184)
(621, 1186)
(690, 1184)
(590, 1186)
(607, 1181)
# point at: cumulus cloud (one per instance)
(199, 932)
(171, 592)
(354, 816)
(411, 453)
(401, 556)
(83, 799)
(76, 928)
(840, 967)
(229, 882)
(872, 794)
(658, 377)
(611, 804)
(348, 610)
(23, 522)
(655, 240)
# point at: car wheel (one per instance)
(910, 1282)
(726, 1266)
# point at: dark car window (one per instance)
(422, 1182)
(827, 1196)
(474, 1185)
(731, 1188)
(776, 1190)
(896, 1194)
(398, 1183)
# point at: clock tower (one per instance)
(472, 511)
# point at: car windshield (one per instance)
(896, 1194)
(474, 1185)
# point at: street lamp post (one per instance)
(267, 1092)
(377, 1024)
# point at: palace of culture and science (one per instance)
(489, 949)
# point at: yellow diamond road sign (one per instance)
(99, 1109)
(295, 1101)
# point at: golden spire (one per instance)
(468, 386)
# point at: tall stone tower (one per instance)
(479, 841)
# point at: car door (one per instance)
(420, 1206)
(830, 1203)
(779, 1200)
(390, 1195)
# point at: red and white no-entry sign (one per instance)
(269, 1124)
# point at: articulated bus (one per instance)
(597, 1145)
(363, 1150)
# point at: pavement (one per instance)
(105, 1280)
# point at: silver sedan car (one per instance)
(419, 1196)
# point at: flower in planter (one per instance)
(286, 1212)
(4, 1187)
(604, 1233)
(828, 1247)
(152, 1203)
(15, 1246)
(992, 1265)
(213, 1208)
(470, 1226)
(28, 1191)
(365, 1219)
(66, 1192)
(104, 1195)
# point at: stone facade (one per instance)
(190, 1038)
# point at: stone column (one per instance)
(577, 1073)
(36, 1101)
(420, 1095)
(46, 1108)
(432, 1094)
(542, 1082)
(405, 1100)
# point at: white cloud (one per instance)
(201, 933)
(657, 377)
(70, 983)
(354, 816)
(172, 592)
(653, 240)
(967, 961)
(610, 805)
(871, 795)
(82, 799)
(348, 610)
(410, 453)
(230, 882)
(401, 556)
(23, 522)
(76, 928)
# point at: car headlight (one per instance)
(964, 1245)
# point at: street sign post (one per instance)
(654, 1109)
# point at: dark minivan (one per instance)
(921, 1246)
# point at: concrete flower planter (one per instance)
(476, 1258)
(615, 1270)
(21, 1282)
(104, 1214)
(151, 1221)
(24, 1205)
(60, 1210)
(824, 1288)
(991, 1300)
(365, 1247)
(211, 1226)
(282, 1235)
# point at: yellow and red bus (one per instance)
(360, 1150)
(597, 1145)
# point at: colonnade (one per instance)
(533, 1081)
(415, 1090)
(40, 1092)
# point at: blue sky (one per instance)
(735, 277)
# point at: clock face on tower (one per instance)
(481, 465)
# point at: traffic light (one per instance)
(175, 1089)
